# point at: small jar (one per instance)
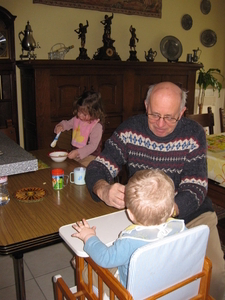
(4, 194)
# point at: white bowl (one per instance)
(58, 156)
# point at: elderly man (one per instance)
(163, 139)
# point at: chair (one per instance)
(206, 120)
(222, 119)
(176, 268)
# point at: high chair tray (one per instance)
(108, 227)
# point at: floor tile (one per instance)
(45, 282)
(48, 259)
(8, 293)
(7, 276)
(33, 292)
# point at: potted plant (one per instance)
(206, 79)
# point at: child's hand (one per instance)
(84, 231)
(74, 155)
(58, 129)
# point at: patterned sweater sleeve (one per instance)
(193, 185)
(107, 165)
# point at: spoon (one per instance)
(53, 144)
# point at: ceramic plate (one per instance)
(171, 48)
(205, 6)
(208, 38)
(186, 22)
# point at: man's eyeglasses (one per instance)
(167, 119)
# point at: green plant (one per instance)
(206, 79)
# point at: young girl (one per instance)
(87, 125)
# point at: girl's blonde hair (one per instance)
(92, 102)
(149, 195)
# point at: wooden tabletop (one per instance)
(27, 226)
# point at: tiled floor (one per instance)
(39, 267)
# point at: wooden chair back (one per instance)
(196, 284)
(205, 120)
(222, 119)
(62, 291)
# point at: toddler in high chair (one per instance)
(149, 197)
(87, 125)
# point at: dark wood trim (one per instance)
(216, 193)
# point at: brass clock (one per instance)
(109, 52)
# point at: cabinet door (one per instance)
(142, 83)
(64, 90)
(111, 89)
(180, 80)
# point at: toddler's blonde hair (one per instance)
(149, 195)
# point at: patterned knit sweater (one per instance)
(181, 155)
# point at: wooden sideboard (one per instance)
(49, 88)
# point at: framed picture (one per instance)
(147, 8)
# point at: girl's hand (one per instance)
(84, 231)
(58, 129)
(74, 155)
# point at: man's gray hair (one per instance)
(183, 96)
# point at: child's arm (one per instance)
(63, 125)
(84, 231)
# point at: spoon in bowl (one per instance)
(53, 144)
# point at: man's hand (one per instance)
(112, 195)
(84, 231)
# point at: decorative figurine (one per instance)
(108, 51)
(132, 44)
(151, 55)
(81, 31)
(28, 43)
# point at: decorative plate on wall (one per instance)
(208, 38)
(186, 22)
(205, 6)
(171, 48)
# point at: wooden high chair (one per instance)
(174, 267)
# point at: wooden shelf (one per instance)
(49, 88)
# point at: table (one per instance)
(14, 159)
(216, 158)
(108, 228)
(216, 168)
(29, 226)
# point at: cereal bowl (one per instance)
(58, 156)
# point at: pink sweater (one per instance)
(94, 132)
